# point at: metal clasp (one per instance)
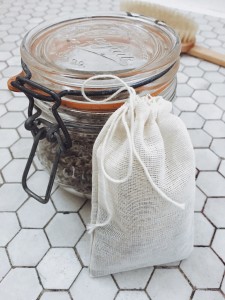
(41, 128)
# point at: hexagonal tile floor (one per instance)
(44, 249)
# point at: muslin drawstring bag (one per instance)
(143, 187)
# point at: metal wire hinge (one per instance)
(41, 128)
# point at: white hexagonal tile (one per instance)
(16, 51)
(171, 264)
(65, 230)
(186, 104)
(215, 211)
(5, 96)
(202, 21)
(14, 61)
(132, 295)
(8, 137)
(218, 146)
(212, 42)
(38, 164)
(20, 283)
(176, 111)
(59, 268)
(17, 104)
(65, 201)
(12, 197)
(214, 77)
(196, 172)
(1, 179)
(221, 102)
(209, 111)
(19, 165)
(5, 157)
(217, 89)
(209, 34)
(206, 160)
(9, 227)
(2, 110)
(193, 71)
(203, 96)
(216, 23)
(38, 182)
(2, 35)
(5, 55)
(223, 286)
(55, 296)
(192, 120)
(34, 214)
(189, 60)
(198, 83)
(85, 212)
(222, 168)
(12, 120)
(12, 70)
(181, 77)
(22, 148)
(208, 295)
(136, 279)
(5, 265)
(215, 128)
(207, 66)
(84, 248)
(168, 284)
(212, 184)
(184, 90)
(85, 287)
(203, 230)
(11, 38)
(218, 244)
(3, 81)
(200, 199)
(203, 268)
(32, 245)
(23, 132)
(219, 49)
(181, 67)
(199, 138)
(3, 66)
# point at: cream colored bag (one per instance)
(143, 188)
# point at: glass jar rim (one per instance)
(43, 37)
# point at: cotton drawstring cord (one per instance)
(120, 114)
(117, 117)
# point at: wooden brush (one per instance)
(184, 26)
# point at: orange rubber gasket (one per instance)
(81, 105)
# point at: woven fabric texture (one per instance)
(142, 221)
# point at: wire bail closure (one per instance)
(41, 129)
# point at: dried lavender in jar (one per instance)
(75, 166)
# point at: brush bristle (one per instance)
(184, 26)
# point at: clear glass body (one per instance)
(63, 55)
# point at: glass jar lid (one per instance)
(63, 54)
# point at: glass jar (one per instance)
(62, 55)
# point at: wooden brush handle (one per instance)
(207, 54)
